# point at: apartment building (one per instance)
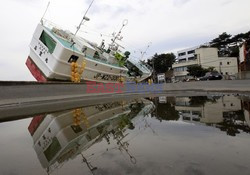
(206, 57)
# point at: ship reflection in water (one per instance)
(62, 136)
(164, 135)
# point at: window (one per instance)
(53, 149)
(191, 51)
(48, 41)
(73, 58)
(180, 69)
(197, 113)
(182, 53)
(191, 58)
(228, 63)
(221, 63)
(182, 60)
(226, 73)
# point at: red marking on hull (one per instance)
(34, 124)
(35, 71)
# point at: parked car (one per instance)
(211, 76)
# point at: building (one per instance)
(211, 112)
(244, 62)
(206, 57)
(228, 113)
(186, 54)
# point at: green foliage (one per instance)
(201, 100)
(197, 70)
(166, 111)
(222, 40)
(162, 63)
(210, 69)
(228, 45)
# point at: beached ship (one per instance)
(54, 52)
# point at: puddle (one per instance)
(163, 135)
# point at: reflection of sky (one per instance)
(16, 151)
(167, 147)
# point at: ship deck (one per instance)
(69, 46)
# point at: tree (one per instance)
(222, 40)
(197, 71)
(210, 69)
(201, 100)
(228, 45)
(162, 63)
(165, 111)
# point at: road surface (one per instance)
(23, 99)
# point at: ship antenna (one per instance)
(118, 35)
(45, 12)
(143, 53)
(84, 18)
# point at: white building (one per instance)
(210, 112)
(206, 57)
(186, 54)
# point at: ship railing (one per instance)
(50, 24)
(140, 65)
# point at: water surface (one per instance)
(165, 135)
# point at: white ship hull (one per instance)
(52, 60)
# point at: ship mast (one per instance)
(143, 53)
(84, 18)
(117, 36)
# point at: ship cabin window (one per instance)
(48, 41)
(53, 149)
(73, 58)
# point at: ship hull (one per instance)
(51, 56)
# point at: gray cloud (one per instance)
(179, 3)
(226, 2)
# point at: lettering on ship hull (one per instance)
(100, 76)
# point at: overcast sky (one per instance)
(169, 25)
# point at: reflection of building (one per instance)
(224, 113)
(244, 61)
(58, 139)
(206, 57)
(211, 112)
(246, 108)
